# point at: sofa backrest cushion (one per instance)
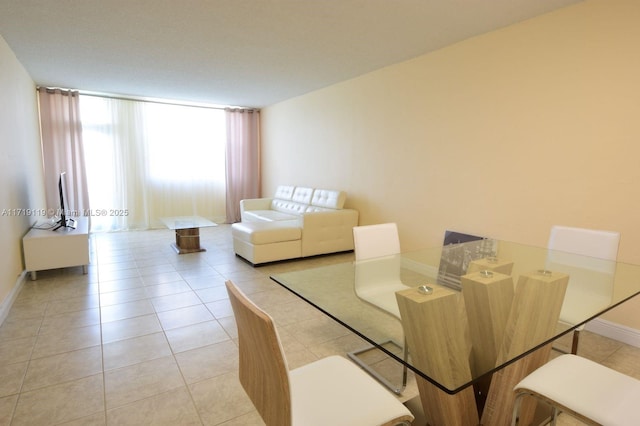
(284, 192)
(328, 198)
(302, 195)
(286, 206)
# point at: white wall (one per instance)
(21, 179)
(503, 135)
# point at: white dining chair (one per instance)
(329, 391)
(376, 281)
(588, 256)
(588, 391)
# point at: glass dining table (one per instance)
(476, 317)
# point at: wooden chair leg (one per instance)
(574, 344)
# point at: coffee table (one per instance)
(187, 232)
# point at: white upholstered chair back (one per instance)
(588, 256)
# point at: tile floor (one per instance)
(147, 337)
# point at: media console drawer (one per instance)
(65, 247)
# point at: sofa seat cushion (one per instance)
(267, 232)
(268, 215)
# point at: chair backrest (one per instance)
(373, 241)
(585, 242)
(588, 256)
(263, 370)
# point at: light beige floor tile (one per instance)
(133, 383)
(166, 289)
(316, 331)
(127, 352)
(625, 360)
(126, 310)
(161, 278)
(205, 281)
(7, 405)
(17, 328)
(118, 274)
(208, 361)
(11, 377)
(20, 311)
(171, 408)
(220, 399)
(250, 419)
(220, 308)
(130, 327)
(119, 285)
(196, 271)
(182, 317)
(175, 301)
(60, 403)
(230, 326)
(212, 294)
(596, 347)
(16, 350)
(196, 336)
(98, 419)
(66, 340)
(122, 296)
(159, 269)
(64, 367)
(75, 319)
(61, 306)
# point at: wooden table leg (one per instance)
(187, 241)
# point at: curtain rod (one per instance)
(152, 100)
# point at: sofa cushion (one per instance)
(268, 215)
(290, 207)
(267, 232)
(328, 199)
(302, 195)
(284, 192)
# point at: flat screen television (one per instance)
(64, 221)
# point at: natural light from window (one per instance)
(152, 160)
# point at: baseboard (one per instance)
(6, 304)
(621, 333)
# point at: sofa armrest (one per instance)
(328, 231)
(254, 204)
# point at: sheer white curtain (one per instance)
(148, 160)
(243, 159)
(62, 149)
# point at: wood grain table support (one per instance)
(532, 320)
(435, 333)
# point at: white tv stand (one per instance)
(62, 248)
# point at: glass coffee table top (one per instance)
(187, 222)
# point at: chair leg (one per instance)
(516, 410)
(574, 343)
(366, 367)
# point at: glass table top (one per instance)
(465, 310)
(187, 222)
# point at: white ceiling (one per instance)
(237, 52)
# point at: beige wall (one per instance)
(503, 135)
(21, 178)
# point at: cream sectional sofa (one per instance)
(295, 222)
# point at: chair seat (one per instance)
(587, 388)
(334, 391)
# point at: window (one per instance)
(149, 160)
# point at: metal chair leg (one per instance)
(394, 388)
